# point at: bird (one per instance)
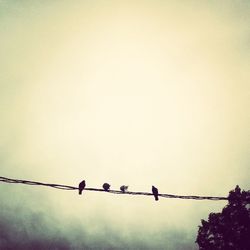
(123, 188)
(106, 186)
(155, 192)
(82, 185)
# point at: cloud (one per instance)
(29, 224)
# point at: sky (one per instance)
(139, 93)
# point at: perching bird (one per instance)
(155, 193)
(123, 188)
(82, 185)
(106, 187)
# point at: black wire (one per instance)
(66, 187)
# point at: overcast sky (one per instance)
(139, 93)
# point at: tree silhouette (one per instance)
(230, 229)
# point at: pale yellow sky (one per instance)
(128, 92)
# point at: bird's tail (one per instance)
(80, 191)
(156, 198)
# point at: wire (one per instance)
(66, 187)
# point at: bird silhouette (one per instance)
(82, 185)
(155, 192)
(106, 186)
(123, 188)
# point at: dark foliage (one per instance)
(230, 229)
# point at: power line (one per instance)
(66, 187)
